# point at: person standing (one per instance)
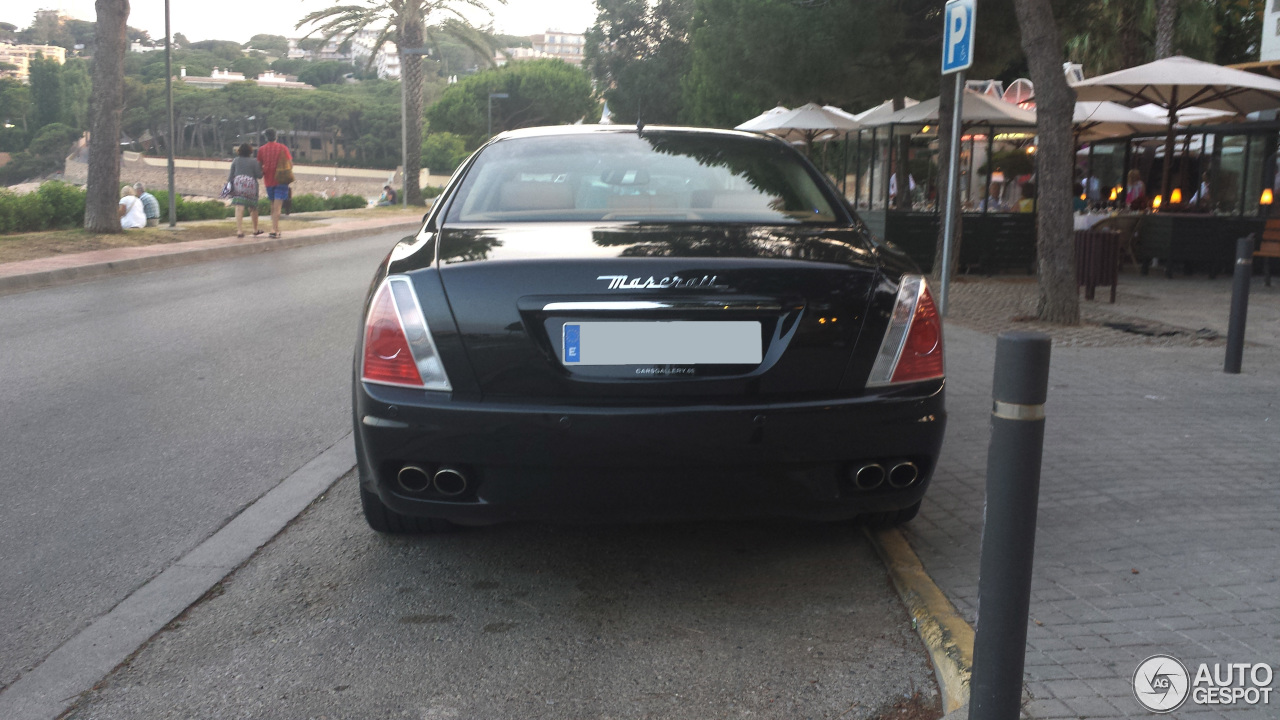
(130, 210)
(243, 178)
(150, 206)
(270, 156)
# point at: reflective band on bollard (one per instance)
(1009, 530)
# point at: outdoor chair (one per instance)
(1127, 227)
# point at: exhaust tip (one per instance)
(413, 479)
(869, 477)
(449, 481)
(903, 474)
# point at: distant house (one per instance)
(221, 78)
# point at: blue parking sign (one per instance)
(957, 36)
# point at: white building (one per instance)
(221, 78)
(385, 58)
(1271, 31)
(565, 46)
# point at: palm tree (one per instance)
(408, 24)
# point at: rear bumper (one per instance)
(576, 463)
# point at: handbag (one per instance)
(226, 190)
(245, 186)
(284, 170)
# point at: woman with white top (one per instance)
(132, 215)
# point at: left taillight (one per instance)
(398, 347)
(912, 347)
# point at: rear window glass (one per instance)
(657, 177)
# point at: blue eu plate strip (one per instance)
(572, 338)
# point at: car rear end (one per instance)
(589, 327)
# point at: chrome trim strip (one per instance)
(1014, 411)
(625, 305)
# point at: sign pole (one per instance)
(957, 56)
(953, 194)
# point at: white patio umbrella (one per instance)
(884, 109)
(1095, 120)
(978, 109)
(761, 122)
(1186, 116)
(808, 121)
(1177, 83)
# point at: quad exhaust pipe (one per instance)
(873, 475)
(413, 479)
(869, 477)
(903, 474)
(447, 481)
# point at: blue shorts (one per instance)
(277, 192)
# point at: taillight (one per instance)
(912, 347)
(398, 347)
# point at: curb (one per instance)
(179, 255)
(946, 635)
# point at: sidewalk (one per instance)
(80, 267)
(1158, 522)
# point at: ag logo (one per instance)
(1161, 683)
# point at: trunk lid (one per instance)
(746, 311)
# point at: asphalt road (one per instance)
(698, 620)
(139, 413)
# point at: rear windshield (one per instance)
(657, 177)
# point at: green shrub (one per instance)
(307, 203)
(188, 211)
(431, 191)
(65, 203)
(345, 202)
(23, 213)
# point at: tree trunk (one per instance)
(1166, 14)
(413, 37)
(1055, 239)
(106, 102)
(946, 110)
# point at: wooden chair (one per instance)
(1269, 246)
(1127, 227)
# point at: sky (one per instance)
(241, 19)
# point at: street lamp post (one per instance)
(168, 92)
(500, 96)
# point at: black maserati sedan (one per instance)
(605, 323)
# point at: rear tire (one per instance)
(890, 518)
(385, 520)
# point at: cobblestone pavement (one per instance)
(1158, 525)
(1149, 311)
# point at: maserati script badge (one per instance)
(624, 282)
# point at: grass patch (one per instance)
(31, 246)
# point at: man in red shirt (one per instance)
(269, 157)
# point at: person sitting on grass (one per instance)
(150, 206)
(130, 209)
(388, 197)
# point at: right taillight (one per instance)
(912, 347)
(398, 347)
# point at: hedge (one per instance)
(61, 205)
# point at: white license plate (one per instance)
(662, 343)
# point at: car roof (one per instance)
(561, 130)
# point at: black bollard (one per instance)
(1009, 529)
(1239, 305)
